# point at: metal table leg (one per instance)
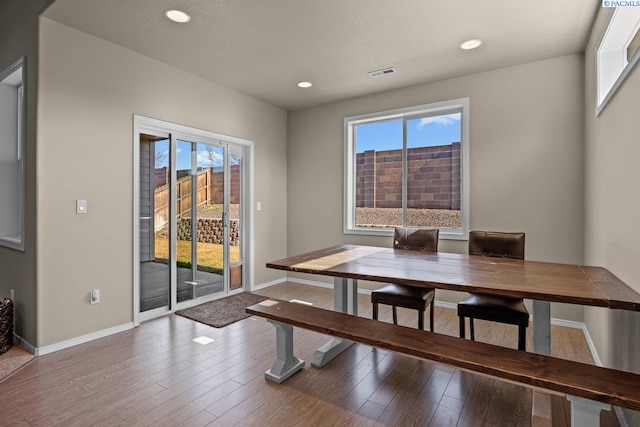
(345, 300)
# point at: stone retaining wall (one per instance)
(210, 230)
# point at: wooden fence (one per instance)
(183, 203)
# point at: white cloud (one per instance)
(209, 158)
(445, 120)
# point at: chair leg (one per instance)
(522, 338)
(431, 316)
(375, 311)
(473, 333)
(395, 315)
(421, 320)
(461, 326)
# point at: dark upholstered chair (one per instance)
(491, 307)
(412, 297)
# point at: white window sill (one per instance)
(13, 242)
(443, 235)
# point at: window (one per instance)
(409, 168)
(617, 53)
(12, 113)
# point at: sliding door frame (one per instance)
(142, 125)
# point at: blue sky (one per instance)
(424, 132)
(211, 156)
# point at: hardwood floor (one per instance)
(155, 375)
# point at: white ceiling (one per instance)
(264, 47)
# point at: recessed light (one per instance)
(471, 44)
(177, 16)
(305, 84)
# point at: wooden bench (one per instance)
(589, 388)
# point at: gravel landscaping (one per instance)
(392, 217)
(373, 217)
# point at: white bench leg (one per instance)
(286, 363)
(585, 412)
(329, 351)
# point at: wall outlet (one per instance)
(94, 296)
(12, 295)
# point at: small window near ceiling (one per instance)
(634, 45)
(12, 112)
(617, 52)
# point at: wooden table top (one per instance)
(542, 281)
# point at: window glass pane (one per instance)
(155, 276)
(235, 197)
(433, 171)
(633, 46)
(185, 272)
(378, 174)
(615, 52)
(11, 156)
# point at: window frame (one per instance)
(614, 33)
(17, 242)
(437, 108)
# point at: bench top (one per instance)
(559, 375)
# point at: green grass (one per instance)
(212, 208)
(210, 255)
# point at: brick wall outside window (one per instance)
(433, 177)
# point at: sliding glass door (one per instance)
(191, 238)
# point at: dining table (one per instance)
(542, 282)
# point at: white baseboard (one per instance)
(268, 284)
(592, 346)
(313, 283)
(621, 418)
(567, 323)
(31, 349)
(82, 339)
(446, 304)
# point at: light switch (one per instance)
(258, 206)
(81, 206)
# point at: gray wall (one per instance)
(19, 37)
(526, 167)
(612, 206)
(89, 92)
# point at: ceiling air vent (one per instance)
(383, 72)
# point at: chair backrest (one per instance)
(496, 244)
(419, 239)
